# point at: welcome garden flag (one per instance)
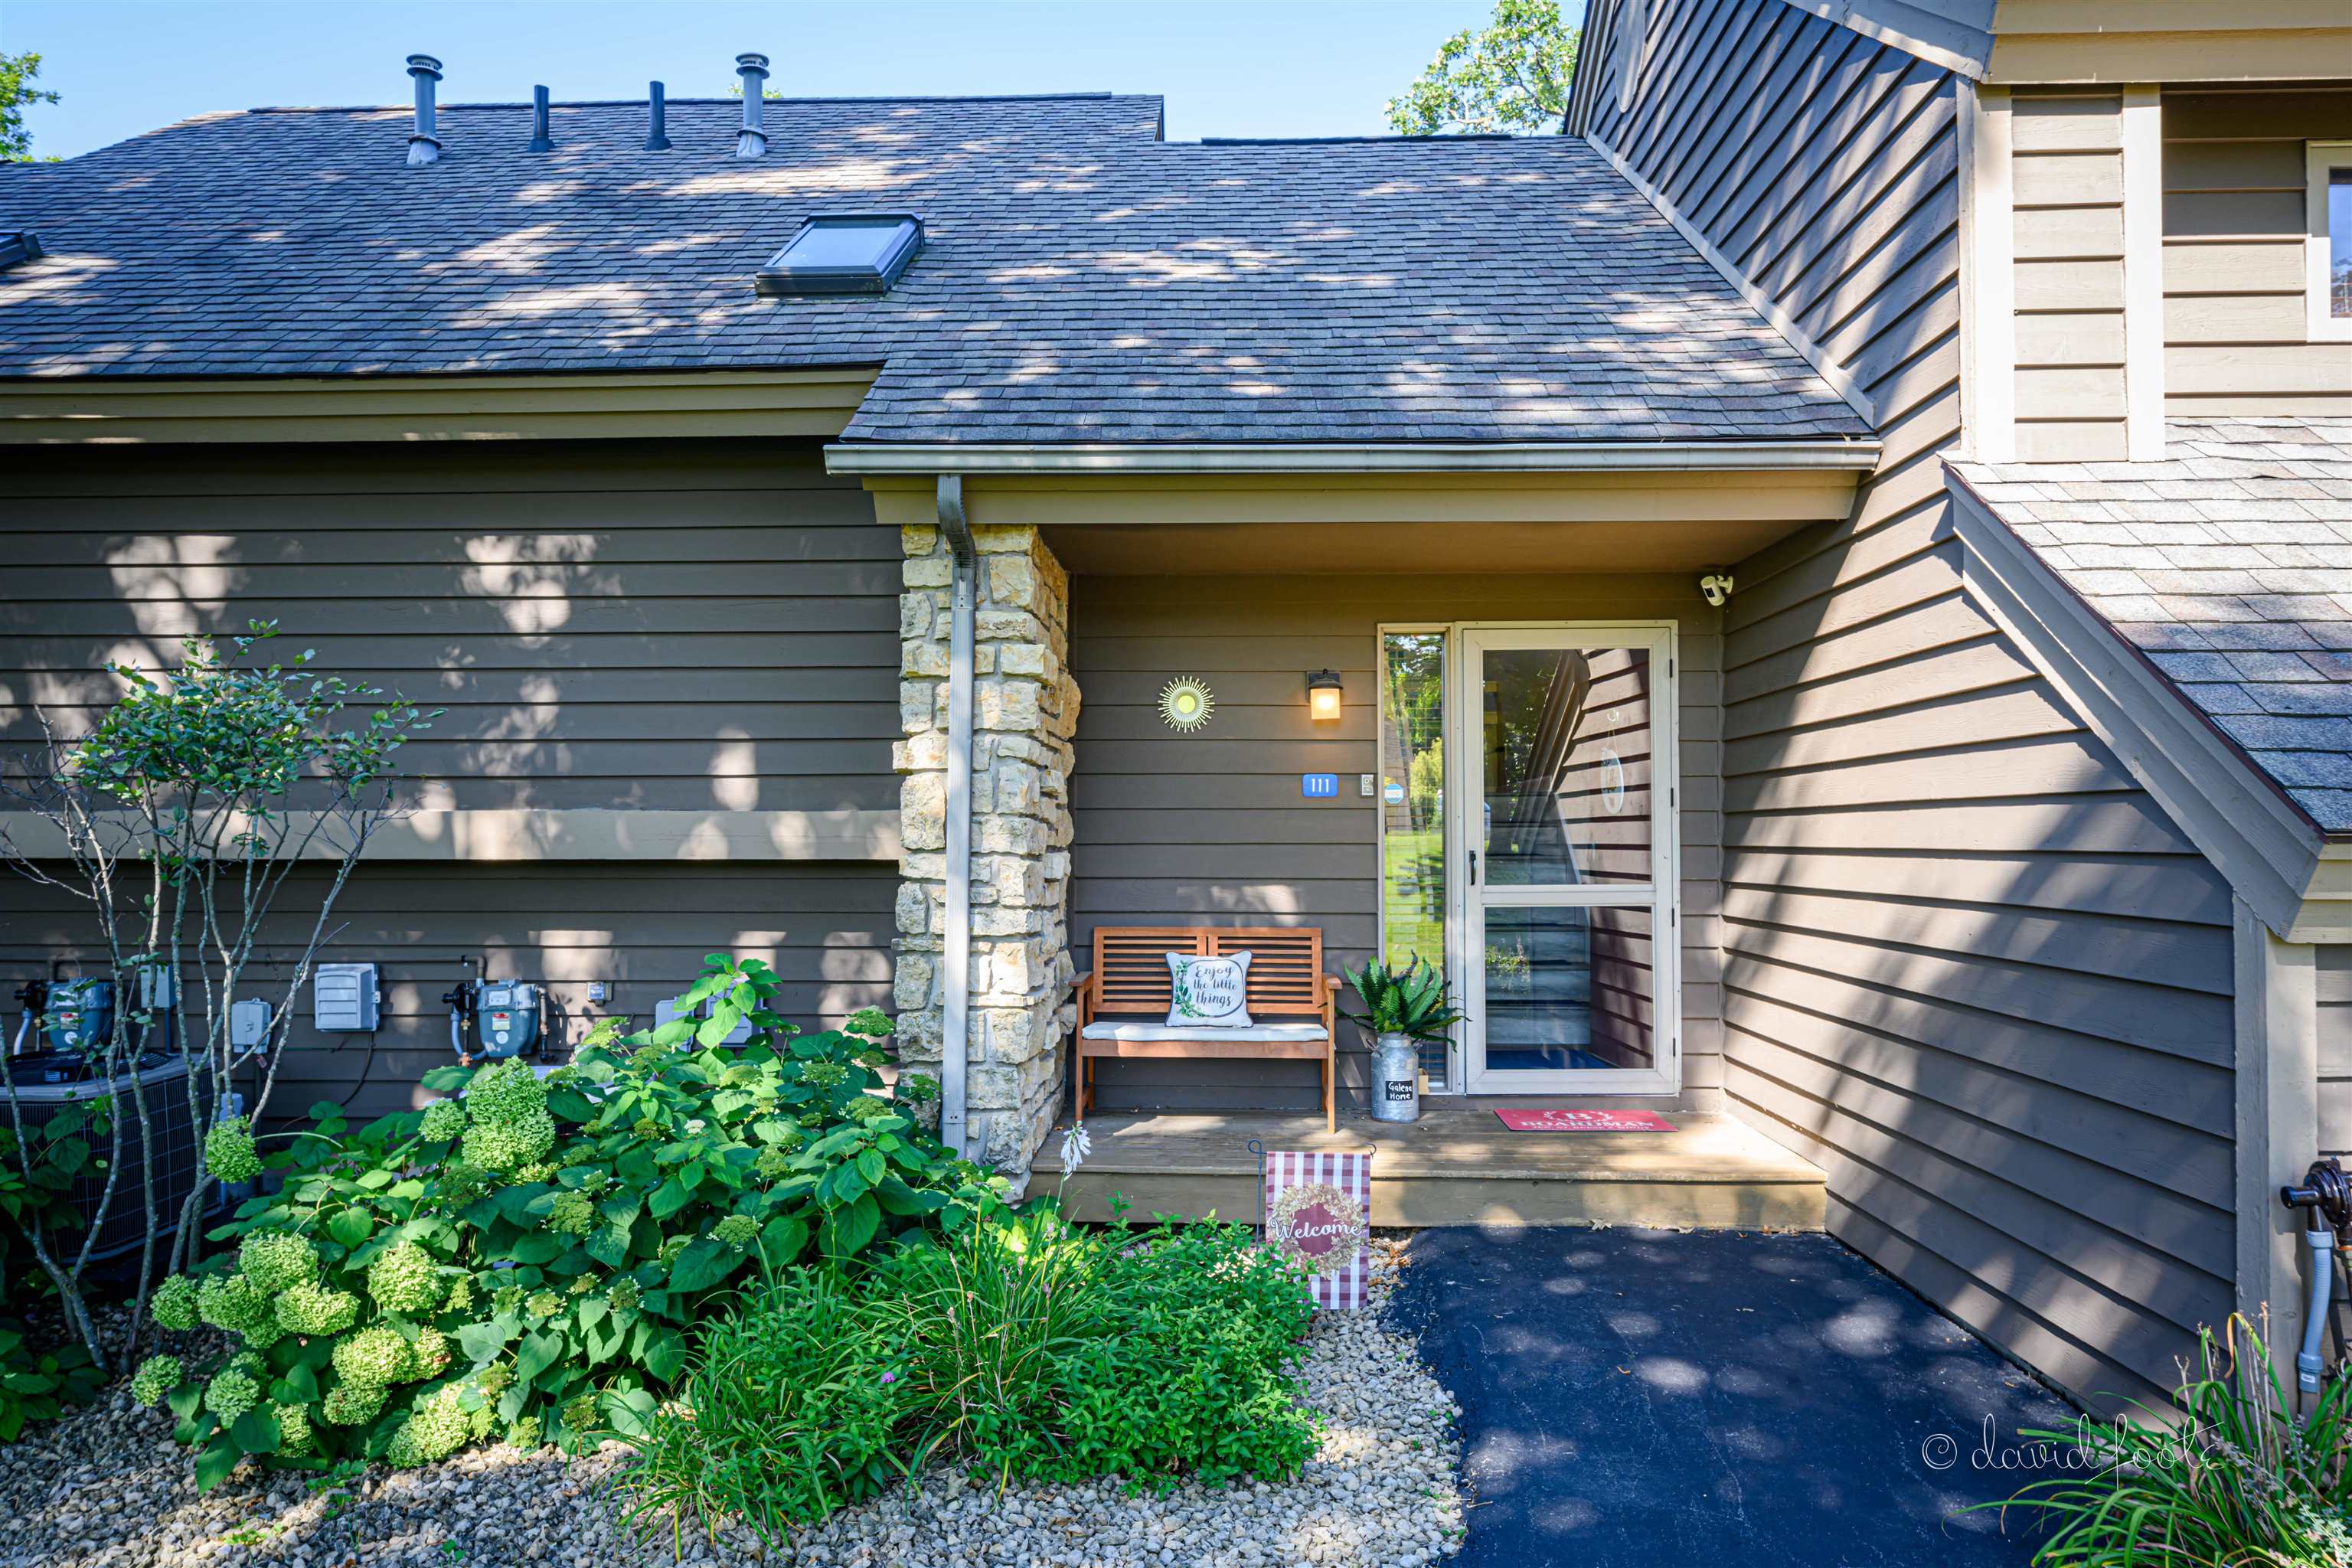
(1318, 1215)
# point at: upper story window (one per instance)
(2328, 240)
(849, 253)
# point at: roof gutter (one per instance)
(955, 958)
(1856, 455)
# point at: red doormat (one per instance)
(1585, 1121)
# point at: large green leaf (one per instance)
(705, 1262)
(668, 1198)
(609, 1245)
(664, 1353)
(444, 1078)
(215, 1460)
(539, 1353)
(872, 1167)
(847, 1230)
(351, 1227)
(256, 1431)
(482, 1341)
(571, 1105)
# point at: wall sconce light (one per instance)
(1323, 696)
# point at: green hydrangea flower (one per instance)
(509, 1145)
(405, 1279)
(536, 1171)
(231, 1393)
(524, 1434)
(866, 1108)
(544, 1304)
(871, 1021)
(736, 1230)
(174, 1304)
(461, 1184)
(580, 1413)
(313, 1310)
(492, 1380)
(429, 1355)
(277, 1259)
(582, 1285)
(232, 1302)
(251, 1364)
(294, 1437)
(824, 1075)
(156, 1376)
(229, 1152)
(622, 1293)
(372, 1358)
(507, 1299)
(264, 1334)
(353, 1403)
(773, 1162)
(645, 1127)
(436, 1428)
(461, 1295)
(572, 1214)
(505, 1091)
(444, 1122)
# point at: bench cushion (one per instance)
(1107, 1029)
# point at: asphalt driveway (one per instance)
(1646, 1398)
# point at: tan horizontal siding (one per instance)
(673, 626)
(1210, 827)
(643, 931)
(2236, 322)
(1967, 966)
(2334, 985)
(2068, 205)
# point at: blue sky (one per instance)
(1227, 68)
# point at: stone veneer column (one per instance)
(1024, 708)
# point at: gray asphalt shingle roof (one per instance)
(1083, 280)
(2230, 564)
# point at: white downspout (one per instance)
(955, 961)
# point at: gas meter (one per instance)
(80, 1016)
(496, 1018)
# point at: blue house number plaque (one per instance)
(1319, 787)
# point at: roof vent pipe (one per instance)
(424, 147)
(751, 142)
(657, 129)
(539, 141)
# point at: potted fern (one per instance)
(1403, 1007)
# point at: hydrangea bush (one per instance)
(529, 1258)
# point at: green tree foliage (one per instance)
(1511, 76)
(16, 91)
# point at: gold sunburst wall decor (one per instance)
(1186, 703)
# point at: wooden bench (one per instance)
(1123, 1000)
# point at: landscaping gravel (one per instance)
(106, 1488)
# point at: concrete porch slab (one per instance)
(1457, 1165)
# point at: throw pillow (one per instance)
(1208, 993)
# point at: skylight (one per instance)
(848, 253)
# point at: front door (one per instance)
(1561, 764)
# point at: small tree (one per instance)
(16, 91)
(181, 819)
(1511, 76)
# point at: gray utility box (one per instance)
(345, 998)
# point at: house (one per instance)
(1792, 584)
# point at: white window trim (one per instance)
(2319, 157)
(1380, 635)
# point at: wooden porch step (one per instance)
(1457, 1165)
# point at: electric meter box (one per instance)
(345, 999)
(248, 1023)
(505, 1021)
